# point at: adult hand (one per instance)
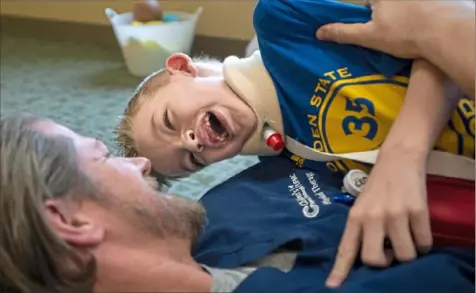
(393, 205)
(442, 32)
(393, 29)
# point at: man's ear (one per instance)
(72, 226)
(180, 62)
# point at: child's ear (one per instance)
(72, 226)
(180, 62)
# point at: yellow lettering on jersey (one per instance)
(330, 74)
(315, 132)
(312, 120)
(324, 83)
(320, 87)
(316, 101)
(318, 145)
(343, 73)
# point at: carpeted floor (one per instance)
(85, 88)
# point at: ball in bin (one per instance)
(147, 10)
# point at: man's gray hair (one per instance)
(36, 167)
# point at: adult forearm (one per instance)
(430, 99)
(448, 40)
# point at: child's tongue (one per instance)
(214, 130)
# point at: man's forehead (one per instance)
(52, 128)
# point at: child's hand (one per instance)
(392, 205)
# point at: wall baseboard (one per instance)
(102, 35)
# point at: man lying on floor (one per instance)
(75, 219)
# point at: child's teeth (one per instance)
(223, 137)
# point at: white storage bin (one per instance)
(146, 47)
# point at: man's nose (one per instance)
(190, 141)
(143, 164)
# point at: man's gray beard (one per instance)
(176, 217)
(161, 216)
(183, 218)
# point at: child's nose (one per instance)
(191, 142)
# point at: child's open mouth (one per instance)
(213, 130)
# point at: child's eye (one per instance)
(167, 122)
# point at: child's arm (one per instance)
(393, 201)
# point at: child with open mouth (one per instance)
(330, 97)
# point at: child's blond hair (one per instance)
(147, 88)
(124, 131)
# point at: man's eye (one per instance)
(195, 162)
(167, 122)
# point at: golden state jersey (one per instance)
(339, 98)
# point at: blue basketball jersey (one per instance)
(339, 98)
